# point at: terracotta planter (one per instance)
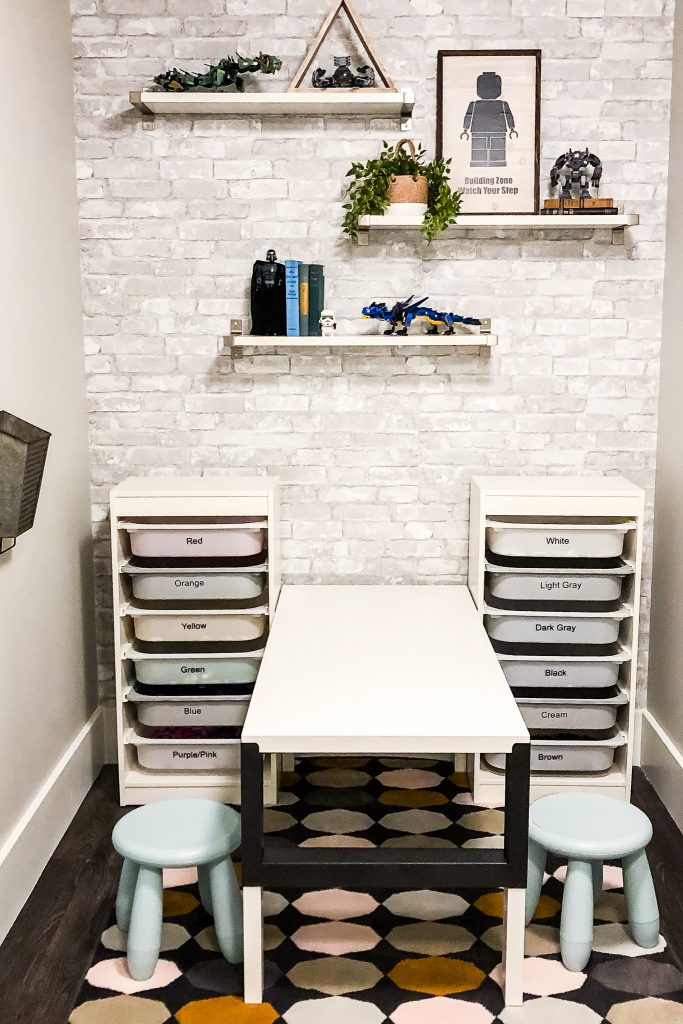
(404, 188)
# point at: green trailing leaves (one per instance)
(368, 190)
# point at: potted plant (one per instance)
(399, 177)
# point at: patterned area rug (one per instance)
(419, 957)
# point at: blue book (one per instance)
(292, 296)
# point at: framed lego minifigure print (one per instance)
(488, 122)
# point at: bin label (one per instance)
(194, 755)
(554, 539)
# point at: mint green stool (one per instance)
(176, 834)
(588, 828)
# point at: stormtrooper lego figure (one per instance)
(328, 325)
(488, 121)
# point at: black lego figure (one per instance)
(268, 305)
(488, 119)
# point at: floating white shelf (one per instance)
(506, 222)
(318, 102)
(477, 337)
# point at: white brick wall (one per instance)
(375, 449)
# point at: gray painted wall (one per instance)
(47, 675)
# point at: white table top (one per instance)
(380, 669)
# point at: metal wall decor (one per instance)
(488, 122)
(23, 450)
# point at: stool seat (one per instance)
(588, 826)
(178, 833)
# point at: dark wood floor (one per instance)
(46, 954)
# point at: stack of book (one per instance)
(583, 206)
(305, 297)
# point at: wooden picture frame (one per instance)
(504, 176)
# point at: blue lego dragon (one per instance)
(401, 315)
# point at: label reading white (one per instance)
(554, 539)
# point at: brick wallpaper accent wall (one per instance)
(375, 450)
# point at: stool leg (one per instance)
(576, 924)
(144, 936)
(125, 893)
(597, 879)
(205, 887)
(227, 910)
(641, 900)
(534, 880)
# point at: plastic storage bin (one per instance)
(187, 626)
(581, 672)
(188, 755)
(237, 539)
(556, 540)
(195, 584)
(559, 754)
(547, 628)
(188, 670)
(190, 713)
(567, 711)
(543, 586)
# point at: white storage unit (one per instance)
(588, 755)
(187, 585)
(196, 580)
(545, 627)
(185, 627)
(570, 711)
(554, 569)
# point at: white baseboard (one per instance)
(662, 762)
(33, 839)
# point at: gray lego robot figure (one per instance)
(489, 121)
